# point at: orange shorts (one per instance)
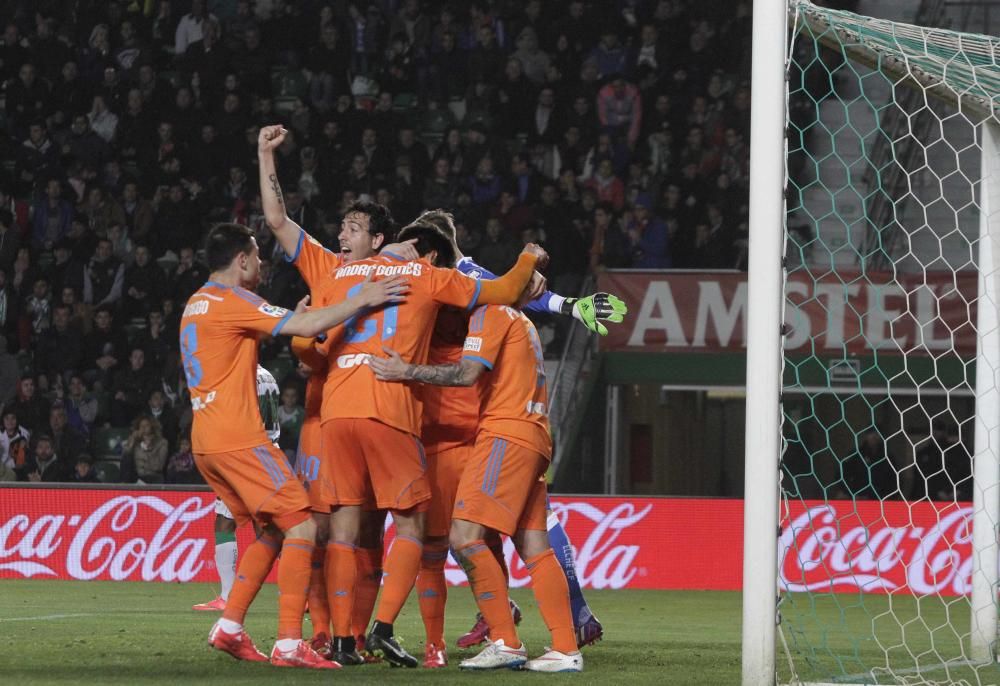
(307, 461)
(444, 471)
(256, 483)
(502, 486)
(364, 457)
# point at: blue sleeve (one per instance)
(469, 267)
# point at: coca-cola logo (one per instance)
(824, 551)
(113, 541)
(601, 562)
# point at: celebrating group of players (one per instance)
(427, 399)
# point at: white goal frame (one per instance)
(768, 120)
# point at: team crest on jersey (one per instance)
(273, 310)
(473, 344)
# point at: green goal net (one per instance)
(889, 500)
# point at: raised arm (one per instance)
(285, 230)
(374, 293)
(507, 289)
(393, 368)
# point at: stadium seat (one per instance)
(404, 101)
(108, 443)
(437, 121)
(108, 471)
(480, 117)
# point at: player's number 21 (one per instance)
(389, 319)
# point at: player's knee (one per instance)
(410, 524)
(462, 534)
(530, 543)
(297, 525)
(322, 523)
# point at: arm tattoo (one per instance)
(277, 189)
(439, 375)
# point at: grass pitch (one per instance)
(136, 633)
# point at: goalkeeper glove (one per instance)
(592, 309)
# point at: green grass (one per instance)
(137, 633)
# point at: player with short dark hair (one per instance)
(219, 334)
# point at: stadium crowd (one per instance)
(612, 133)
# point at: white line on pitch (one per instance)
(42, 618)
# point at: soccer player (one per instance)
(226, 552)
(448, 421)
(372, 427)
(308, 456)
(219, 333)
(502, 488)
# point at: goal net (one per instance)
(887, 558)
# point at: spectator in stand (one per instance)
(43, 464)
(607, 186)
(60, 351)
(158, 409)
(146, 450)
(291, 414)
(498, 251)
(9, 374)
(67, 442)
(648, 235)
(190, 28)
(611, 248)
(104, 277)
(533, 59)
(441, 188)
(144, 285)
(27, 97)
(188, 276)
(31, 409)
(619, 109)
(609, 56)
(83, 470)
(36, 312)
(181, 468)
(487, 59)
(14, 442)
(103, 121)
(51, 217)
(104, 348)
(138, 212)
(10, 239)
(130, 388)
(154, 341)
(81, 406)
(484, 186)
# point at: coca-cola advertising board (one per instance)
(699, 312)
(148, 535)
(661, 543)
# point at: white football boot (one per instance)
(497, 656)
(554, 661)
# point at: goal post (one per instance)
(873, 354)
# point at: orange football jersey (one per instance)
(351, 390)
(220, 328)
(450, 413)
(514, 397)
(314, 262)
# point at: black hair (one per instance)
(430, 237)
(379, 219)
(225, 242)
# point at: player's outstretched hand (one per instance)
(538, 252)
(538, 285)
(594, 309)
(390, 290)
(406, 250)
(391, 368)
(270, 137)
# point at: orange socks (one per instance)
(548, 583)
(369, 561)
(293, 586)
(401, 567)
(341, 575)
(433, 591)
(257, 561)
(490, 591)
(495, 544)
(319, 607)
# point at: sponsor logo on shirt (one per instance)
(473, 344)
(273, 310)
(352, 360)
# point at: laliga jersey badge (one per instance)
(273, 310)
